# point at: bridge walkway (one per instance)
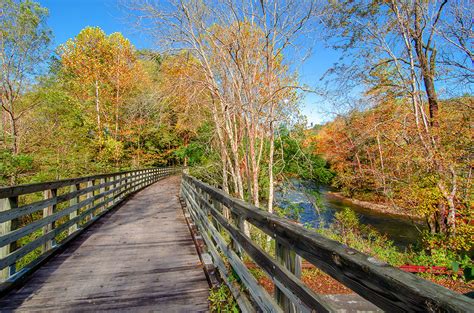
(139, 257)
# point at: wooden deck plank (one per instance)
(140, 257)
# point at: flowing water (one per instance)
(318, 208)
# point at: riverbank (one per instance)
(380, 208)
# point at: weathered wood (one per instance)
(264, 300)
(5, 228)
(36, 206)
(17, 254)
(241, 298)
(387, 287)
(292, 262)
(13, 191)
(99, 197)
(28, 229)
(8, 227)
(72, 202)
(48, 211)
(139, 258)
(101, 191)
(270, 266)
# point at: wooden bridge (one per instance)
(125, 242)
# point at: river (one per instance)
(401, 231)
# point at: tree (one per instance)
(376, 157)
(240, 56)
(186, 98)
(24, 40)
(105, 68)
(88, 58)
(124, 71)
(395, 48)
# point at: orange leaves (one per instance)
(87, 56)
(182, 86)
(92, 55)
(102, 67)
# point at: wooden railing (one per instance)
(220, 220)
(37, 219)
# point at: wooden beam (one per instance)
(292, 262)
(385, 286)
(264, 300)
(120, 185)
(5, 228)
(48, 211)
(6, 192)
(270, 266)
(72, 202)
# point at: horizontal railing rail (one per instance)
(37, 219)
(219, 216)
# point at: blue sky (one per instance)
(68, 17)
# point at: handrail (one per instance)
(32, 228)
(385, 286)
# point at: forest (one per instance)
(221, 95)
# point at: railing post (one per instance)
(238, 222)
(114, 194)
(122, 184)
(127, 180)
(49, 194)
(102, 199)
(110, 195)
(90, 194)
(73, 214)
(291, 261)
(138, 181)
(6, 227)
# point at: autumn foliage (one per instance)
(377, 156)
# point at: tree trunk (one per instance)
(225, 183)
(270, 169)
(97, 109)
(427, 68)
(382, 166)
(117, 97)
(14, 135)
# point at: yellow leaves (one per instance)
(87, 55)
(92, 55)
(102, 67)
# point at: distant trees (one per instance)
(182, 91)
(101, 107)
(86, 60)
(105, 65)
(376, 157)
(24, 39)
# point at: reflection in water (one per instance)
(302, 193)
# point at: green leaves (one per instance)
(11, 166)
(24, 38)
(298, 157)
